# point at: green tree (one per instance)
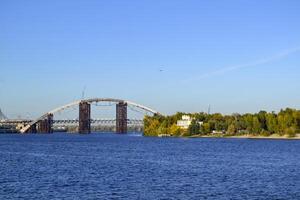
(262, 119)
(248, 120)
(175, 130)
(290, 132)
(194, 128)
(231, 129)
(151, 126)
(272, 124)
(205, 128)
(256, 126)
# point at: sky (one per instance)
(236, 55)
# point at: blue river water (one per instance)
(112, 166)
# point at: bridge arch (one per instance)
(89, 101)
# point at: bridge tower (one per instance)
(121, 117)
(84, 117)
(45, 125)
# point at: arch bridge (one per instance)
(45, 121)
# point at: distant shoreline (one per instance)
(277, 137)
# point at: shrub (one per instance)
(265, 133)
(290, 132)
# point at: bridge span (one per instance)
(16, 122)
(45, 121)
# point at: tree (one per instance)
(151, 126)
(256, 126)
(296, 117)
(175, 130)
(231, 129)
(262, 119)
(194, 128)
(201, 116)
(285, 120)
(272, 124)
(220, 126)
(163, 128)
(290, 132)
(205, 128)
(248, 120)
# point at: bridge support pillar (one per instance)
(84, 118)
(121, 117)
(32, 129)
(45, 125)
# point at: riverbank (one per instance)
(274, 136)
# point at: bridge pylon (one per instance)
(32, 129)
(121, 117)
(45, 125)
(84, 118)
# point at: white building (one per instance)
(184, 122)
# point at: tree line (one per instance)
(286, 122)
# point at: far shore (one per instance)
(274, 136)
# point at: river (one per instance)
(112, 166)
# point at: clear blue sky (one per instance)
(237, 56)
